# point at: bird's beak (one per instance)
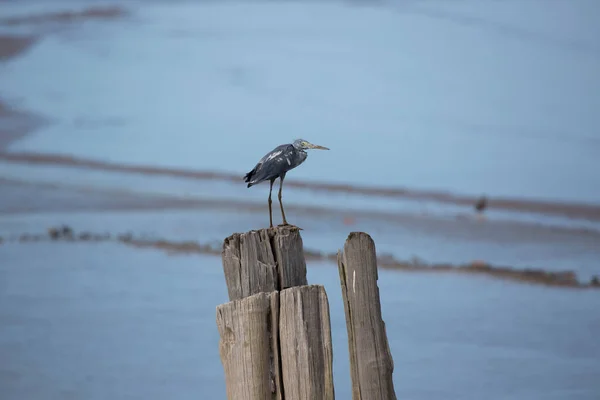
(317, 147)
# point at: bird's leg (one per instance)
(270, 211)
(279, 196)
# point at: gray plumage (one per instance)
(276, 164)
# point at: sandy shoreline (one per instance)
(13, 45)
(559, 279)
(23, 197)
(36, 199)
(16, 123)
(582, 211)
(90, 13)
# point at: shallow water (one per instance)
(189, 188)
(106, 321)
(214, 86)
(496, 99)
(36, 198)
(470, 97)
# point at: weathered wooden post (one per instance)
(263, 261)
(275, 335)
(249, 347)
(306, 348)
(371, 364)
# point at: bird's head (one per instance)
(302, 144)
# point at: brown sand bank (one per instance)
(560, 279)
(13, 45)
(588, 212)
(22, 197)
(15, 124)
(25, 197)
(99, 12)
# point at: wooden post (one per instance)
(371, 364)
(249, 346)
(263, 261)
(306, 349)
(275, 334)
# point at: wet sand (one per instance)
(91, 13)
(12, 46)
(573, 210)
(23, 197)
(559, 279)
(15, 123)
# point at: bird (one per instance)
(481, 204)
(276, 164)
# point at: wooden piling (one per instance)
(371, 364)
(263, 261)
(306, 349)
(249, 347)
(275, 333)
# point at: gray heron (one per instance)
(276, 164)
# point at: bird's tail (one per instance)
(248, 177)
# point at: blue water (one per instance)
(105, 321)
(500, 98)
(429, 239)
(469, 97)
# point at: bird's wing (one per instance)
(275, 153)
(272, 164)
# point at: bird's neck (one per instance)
(302, 154)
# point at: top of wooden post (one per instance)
(371, 363)
(263, 260)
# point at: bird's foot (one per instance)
(286, 224)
